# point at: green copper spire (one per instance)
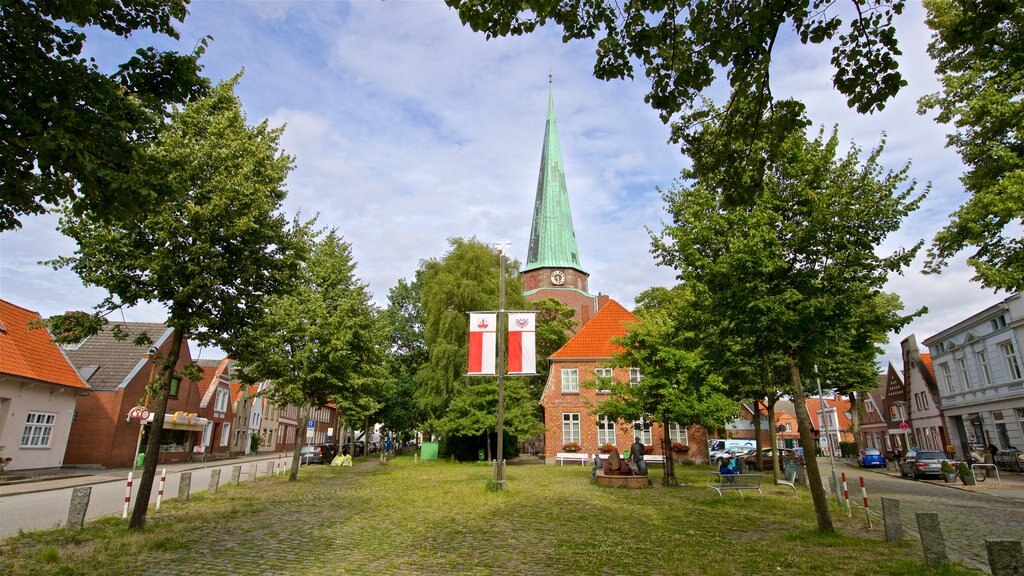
(552, 238)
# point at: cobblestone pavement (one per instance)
(967, 517)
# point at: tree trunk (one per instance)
(668, 477)
(300, 431)
(807, 442)
(772, 436)
(856, 406)
(487, 441)
(138, 520)
(757, 436)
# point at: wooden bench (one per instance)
(582, 457)
(737, 482)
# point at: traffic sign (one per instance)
(904, 426)
(140, 412)
(311, 425)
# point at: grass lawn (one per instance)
(438, 518)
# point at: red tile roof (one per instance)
(927, 359)
(841, 404)
(31, 353)
(594, 340)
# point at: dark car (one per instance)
(766, 458)
(312, 454)
(871, 458)
(921, 463)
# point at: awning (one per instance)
(183, 421)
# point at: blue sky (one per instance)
(409, 129)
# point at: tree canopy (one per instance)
(72, 133)
(322, 341)
(212, 256)
(797, 273)
(978, 48)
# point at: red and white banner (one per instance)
(482, 343)
(522, 343)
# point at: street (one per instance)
(45, 504)
(967, 518)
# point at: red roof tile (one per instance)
(31, 353)
(927, 359)
(594, 340)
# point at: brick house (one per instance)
(895, 406)
(216, 406)
(870, 404)
(569, 404)
(118, 372)
(742, 427)
(924, 402)
(39, 389)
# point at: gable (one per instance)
(594, 340)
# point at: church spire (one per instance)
(552, 238)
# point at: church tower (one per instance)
(553, 268)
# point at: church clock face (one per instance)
(558, 277)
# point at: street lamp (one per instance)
(824, 422)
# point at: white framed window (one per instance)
(634, 376)
(998, 322)
(604, 376)
(38, 429)
(642, 432)
(947, 375)
(986, 376)
(225, 434)
(964, 375)
(207, 433)
(221, 403)
(605, 430)
(1012, 361)
(570, 380)
(678, 433)
(570, 427)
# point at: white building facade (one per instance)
(980, 372)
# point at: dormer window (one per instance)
(998, 322)
(940, 347)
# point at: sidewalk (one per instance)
(1009, 485)
(46, 479)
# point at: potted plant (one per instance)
(606, 448)
(948, 472)
(966, 474)
(571, 447)
(680, 447)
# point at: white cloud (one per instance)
(409, 129)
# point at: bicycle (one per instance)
(979, 473)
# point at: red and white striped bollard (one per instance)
(846, 497)
(160, 489)
(864, 494)
(127, 497)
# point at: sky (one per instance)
(408, 129)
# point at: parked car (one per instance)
(312, 454)
(766, 458)
(920, 463)
(871, 458)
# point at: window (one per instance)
(207, 433)
(175, 384)
(570, 380)
(222, 400)
(998, 322)
(225, 434)
(570, 427)
(605, 430)
(642, 432)
(964, 376)
(604, 376)
(940, 347)
(38, 427)
(1012, 362)
(947, 375)
(677, 433)
(789, 427)
(986, 377)
(634, 376)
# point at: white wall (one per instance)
(19, 397)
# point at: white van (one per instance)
(719, 448)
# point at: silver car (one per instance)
(920, 463)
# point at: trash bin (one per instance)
(480, 455)
(139, 459)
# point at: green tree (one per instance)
(677, 384)
(212, 256)
(978, 48)
(683, 46)
(71, 133)
(464, 280)
(407, 352)
(321, 342)
(797, 274)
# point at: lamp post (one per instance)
(499, 469)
